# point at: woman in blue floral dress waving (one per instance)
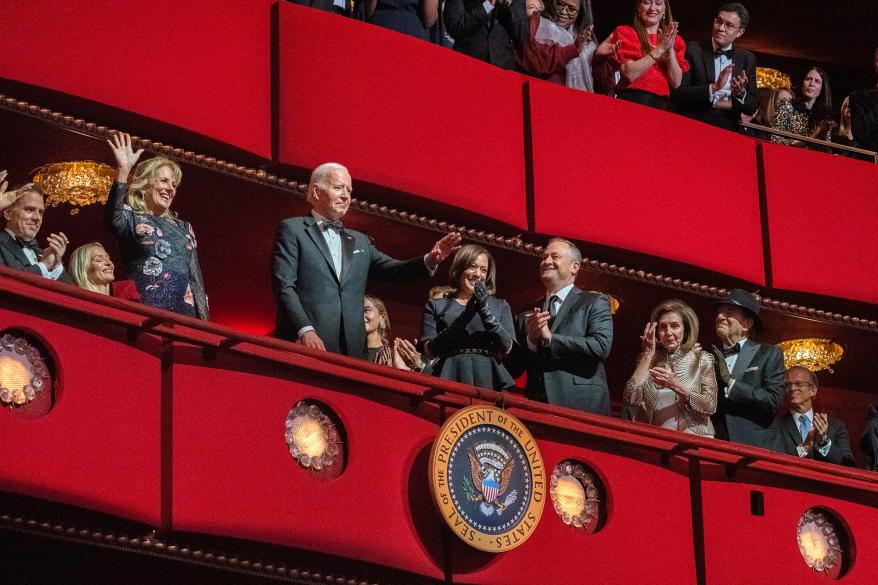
(159, 249)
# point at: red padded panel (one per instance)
(401, 113)
(821, 218)
(203, 68)
(230, 456)
(99, 447)
(649, 524)
(742, 548)
(623, 175)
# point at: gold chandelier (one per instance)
(78, 183)
(813, 353)
(772, 78)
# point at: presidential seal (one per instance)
(487, 478)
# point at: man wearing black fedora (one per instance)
(749, 375)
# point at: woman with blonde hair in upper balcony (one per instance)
(674, 382)
(159, 249)
(651, 56)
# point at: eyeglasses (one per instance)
(797, 384)
(720, 23)
(561, 7)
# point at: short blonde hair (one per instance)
(142, 175)
(80, 260)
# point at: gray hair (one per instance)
(811, 375)
(575, 254)
(320, 175)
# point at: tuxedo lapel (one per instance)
(709, 62)
(347, 254)
(7, 242)
(313, 230)
(745, 356)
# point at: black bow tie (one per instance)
(32, 244)
(334, 225)
(728, 52)
(732, 350)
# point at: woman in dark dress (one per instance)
(470, 331)
(409, 17)
(159, 249)
(381, 347)
(815, 105)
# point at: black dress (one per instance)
(401, 16)
(160, 253)
(475, 360)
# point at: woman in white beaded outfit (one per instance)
(674, 381)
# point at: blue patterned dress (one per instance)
(160, 253)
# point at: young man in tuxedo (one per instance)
(721, 82)
(23, 211)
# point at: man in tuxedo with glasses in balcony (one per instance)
(749, 375)
(810, 434)
(721, 82)
(23, 211)
(321, 268)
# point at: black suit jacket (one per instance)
(309, 292)
(487, 37)
(839, 451)
(570, 370)
(12, 256)
(747, 414)
(693, 96)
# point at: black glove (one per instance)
(721, 367)
(493, 325)
(480, 294)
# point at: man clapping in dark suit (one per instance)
(565, 339)
(721, 82)
(806, 433)
(749, 375)
(23, 210)
(321, 269)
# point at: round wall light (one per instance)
(314, 439)
(23, 371)
(824, 542)
(578, 496)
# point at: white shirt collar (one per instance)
(561, 294)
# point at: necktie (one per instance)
(727, 53)
(552, 305)
(32, 244)
(334, 225)
(804, 426)
(732, 350)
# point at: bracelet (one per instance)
(654, 58)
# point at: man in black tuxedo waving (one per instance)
(321, 269)
(721, 82)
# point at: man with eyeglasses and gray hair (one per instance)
(721, 82)
(810, 434)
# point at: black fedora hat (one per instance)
(740, 298)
